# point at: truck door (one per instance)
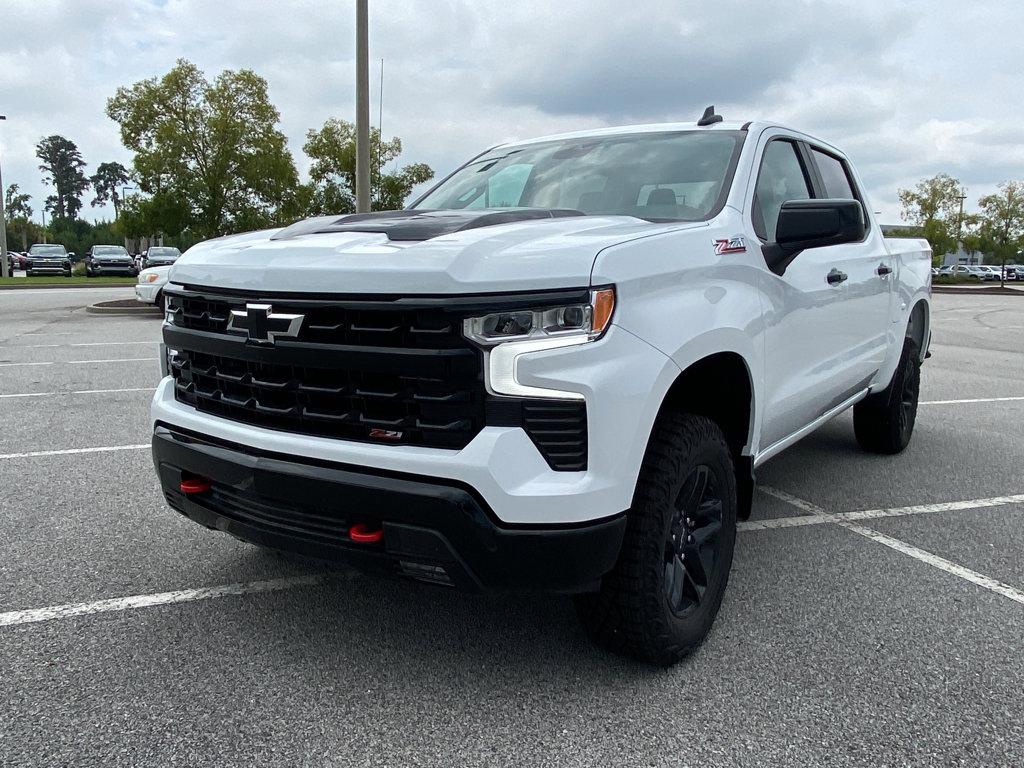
(869, 272)
(819, 349)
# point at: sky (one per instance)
(907, 89)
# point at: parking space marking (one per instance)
(899, 545)
(66, 362)
(938, 562)
(971, 400)
(79, 392)
(73, 344)
(27, 616)
(61, 452)
(859, 515)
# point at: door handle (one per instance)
(835, 277)
(883, 270)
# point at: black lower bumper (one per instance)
(433, 530)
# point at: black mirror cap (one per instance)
(804, 224)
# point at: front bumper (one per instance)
(55, 269)
(146, 292)
(112, 269)
(434, 530)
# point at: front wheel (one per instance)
(884, 422)
(661, 598)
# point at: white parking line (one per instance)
(970, 400)
(27, 616)
(73, 344)
(61, 452)
(78, 392)
(938, 562)
(859, 515)
(916, 553)
(66, 362)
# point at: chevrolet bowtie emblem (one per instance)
(263, 325)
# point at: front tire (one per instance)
(660, 600)
(884, 422)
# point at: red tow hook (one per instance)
(194, 485)
(363, 534)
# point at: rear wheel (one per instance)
(660, 600)
(884, 422)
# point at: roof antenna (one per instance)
(709, 117)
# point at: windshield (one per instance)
(657, 176)
(47, 251)
(109, 251)
(163, 251)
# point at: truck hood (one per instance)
(539, 253)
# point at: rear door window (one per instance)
(834, 175)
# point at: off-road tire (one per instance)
(884, 422)
(631, 613)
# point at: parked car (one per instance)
(989, 272)
(160, 255)
(557, 369)
(16, 260)
(48, 259)
(109, 260)
(151, 283)
(969, 271)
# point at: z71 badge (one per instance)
(733, 245)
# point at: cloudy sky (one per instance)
(908, 89)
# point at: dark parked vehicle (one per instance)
(48, 259)
(159, 256)
(109, 260)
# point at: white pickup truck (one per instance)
(558, 369)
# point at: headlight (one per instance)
(151, 277)
(508, 335)
(589, 320)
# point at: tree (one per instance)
(19, 212)
(333, 151)
(934, 206)
(1002, 220)
(213, 146)
(62, 166)
(165, 212)
(107, 182)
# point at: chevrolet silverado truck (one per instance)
(47, 259)
(558, 370)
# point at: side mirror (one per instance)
(804, 224)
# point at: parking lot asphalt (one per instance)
(892, 635)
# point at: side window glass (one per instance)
(834, 175)
(780, 179)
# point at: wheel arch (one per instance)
(919, 325)
(720, 386)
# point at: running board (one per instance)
(803, 432)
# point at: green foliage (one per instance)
(1001, 226)
(20, 227)
(107, 182)
(212, 147)
(62, 164)
(333, 173)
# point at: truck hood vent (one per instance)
(416, 225)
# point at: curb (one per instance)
(995, 290)
(65, 285)
(104, 308)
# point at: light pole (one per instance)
(362, 109)
(5, 265)
(117, 213)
